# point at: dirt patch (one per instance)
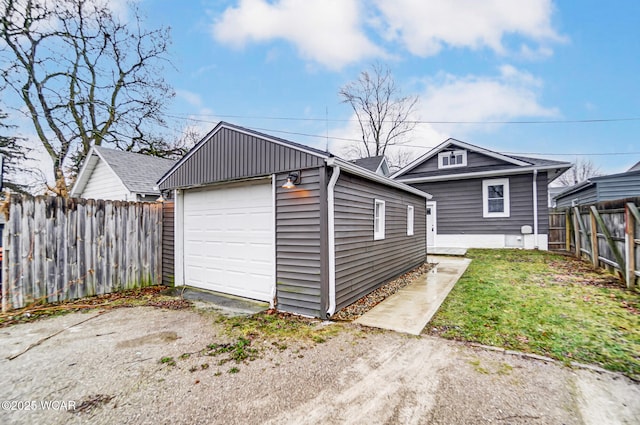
(356, 376)
(153, 296)
(154, 338)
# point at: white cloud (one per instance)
(324, 31)
(193, 99)
(335, 33)
(425, 27)
(511, 94)
(535, 54)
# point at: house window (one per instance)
(378, 220)
(409, 220)
(450, 159)
(495, 198)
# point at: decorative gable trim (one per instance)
(89, 165)
(237, 129)
(469, 147)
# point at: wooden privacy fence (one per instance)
(59, 249)
(607, 234)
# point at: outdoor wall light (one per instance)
(292, 180)
(163, 196)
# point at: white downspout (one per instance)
(332, 237)
(535, 209)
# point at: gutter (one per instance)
(463, 176)
(332, 237)
(535, 209)
(369, 175)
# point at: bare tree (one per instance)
(399, 159)
(382, 112)
(582, 170)
(13, 154)
(83, 77)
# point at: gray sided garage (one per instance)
(331, 236)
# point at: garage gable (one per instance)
(230, 152)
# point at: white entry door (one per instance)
(229, 239)
(431, 223)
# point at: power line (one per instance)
(344, 139)
(276, 118)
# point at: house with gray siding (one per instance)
(601, 188)
(117, 175)
(482, 198)
(377, 164)
(265, 218)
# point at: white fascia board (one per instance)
(217, 128)
(490, 153)
(495, 173)
(369, 175)
(421, 159)
(464, 145)
(83, 176)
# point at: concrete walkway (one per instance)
(410, 309)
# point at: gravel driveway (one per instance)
(107, 370)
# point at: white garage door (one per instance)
(229, 240)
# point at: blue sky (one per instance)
(278, 65)
(544, 78)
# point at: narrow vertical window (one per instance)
(410, 220)
(378, 220)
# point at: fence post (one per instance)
(594, 239)
(577, 231)
(631, 217)
(567, 230)
(610, 242)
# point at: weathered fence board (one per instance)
(61, 249)
(557, 231)
(607, 234)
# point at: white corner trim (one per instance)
(178, 273)
(274, 288)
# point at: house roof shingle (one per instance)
(370, 163)
(138, 172)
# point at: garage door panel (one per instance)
(229, 240)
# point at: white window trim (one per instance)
(441, 155)
(410, 216)
(379, 234)
(485, 198)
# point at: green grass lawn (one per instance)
(547, 304)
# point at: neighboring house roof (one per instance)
(377, 164)
(635, 167)
(610, 180)
(137, 172)
(507, 164)
(327, 157)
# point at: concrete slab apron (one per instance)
(410, 309)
